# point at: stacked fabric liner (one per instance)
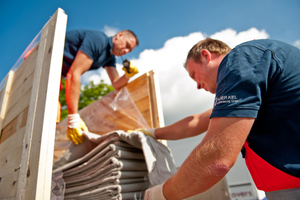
(113, 169)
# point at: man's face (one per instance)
(122, 44)
(204, 74)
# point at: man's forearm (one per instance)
(187, 127)
(193, 177)
(120, 82)
(211, 160)
(72, 93)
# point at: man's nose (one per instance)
(198, 86)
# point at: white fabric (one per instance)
(118, 162)
(152, 132)
(73, 120)
(155, 193)
(158, 157)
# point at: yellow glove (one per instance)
(149, 132)
(75, 128)
(130, 68)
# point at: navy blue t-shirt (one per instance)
(93, 43)
(261, 79)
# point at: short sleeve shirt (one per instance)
(93, 43)
(261, 79)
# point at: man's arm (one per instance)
(81, 64)
(116, 81)
(187, 127)
(210, 161)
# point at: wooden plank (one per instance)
(23, 87)
(20, 105)
(143, 106)
(25, 70)
(139, 92)
(155, 98)
(44, 100)
(145, 93)
(10, 156)
(20, 89)
(16, 124)
(5, 96)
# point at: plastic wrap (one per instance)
(115, 111)
(58, 186)
(23, 56)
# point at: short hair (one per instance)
(130, 33)
(212, 45)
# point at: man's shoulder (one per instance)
(88, 33)
(263, 43)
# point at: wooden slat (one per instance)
(145, 93)
(140, 94)
(43, 110)
(20, 105)
(4, 97)
(20, 89)
(155, 99)
(10, 157)
(25, 70)
(16, 124)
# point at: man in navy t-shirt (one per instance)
(87, 50)
(256, 110)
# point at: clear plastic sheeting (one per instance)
(117, 165)
(115, 111)
(58, 186)
(25, 54)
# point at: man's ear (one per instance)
(121, 33)
(206, 55)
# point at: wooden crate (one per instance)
(28, 119)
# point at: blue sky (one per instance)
(153, 21)
(167, 29)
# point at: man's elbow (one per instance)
(115, 86)
(219, 169)
(71, 75)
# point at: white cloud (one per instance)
(110, 31)
(297, 44)
(179, 95)
(232, 38)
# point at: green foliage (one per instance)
(88, 94)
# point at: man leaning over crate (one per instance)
(87, 50)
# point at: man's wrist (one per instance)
(152, 132)
(155, 193)
(73, 120)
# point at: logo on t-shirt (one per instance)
(226, 99)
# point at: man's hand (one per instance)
(75, 128)
(149, 132)
(154, 193)
(130, 69)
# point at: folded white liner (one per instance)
(117, 165)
